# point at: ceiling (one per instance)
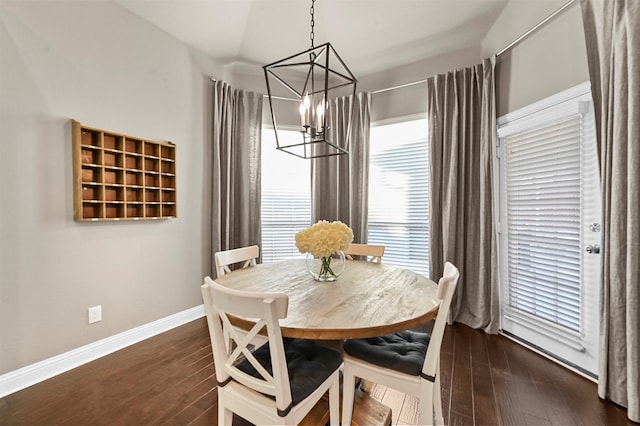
(369, 35)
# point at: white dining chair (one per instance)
(372, 252)
(224, 259)
(281, 381)
(248, 256)
(407, 361)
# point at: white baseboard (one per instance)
(30, 375)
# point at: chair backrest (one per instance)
(266, 309)
(224, 259)
(367, 250)
(446, 287)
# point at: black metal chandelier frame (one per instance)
(313, 97)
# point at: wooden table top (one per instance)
(367, 300)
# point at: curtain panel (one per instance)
(461, 116)
(612, 33)
(237, 130)
(340, 184)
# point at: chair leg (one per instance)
(334, 402)
(348, 389)
(437, 402)
(426, 403)
(225, 417)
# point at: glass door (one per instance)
(550, 228)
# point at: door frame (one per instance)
(579, 354)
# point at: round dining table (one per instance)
(367, 300)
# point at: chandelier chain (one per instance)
(313, 22)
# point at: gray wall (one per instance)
(99, 64)
(552, 59)
(411, 100)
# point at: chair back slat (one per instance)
(224, 259)
(267, 308)
(375, 252)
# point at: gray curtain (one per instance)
(340, 184)
(612, 32)
(237, 127)
(462, 135)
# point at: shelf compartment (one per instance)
(134, 194)
(90, 138)
(91, 174)
(134, 210)
(134, 178)
(151, 180)
(133, 162)
(113, 211)
(112, 159)
(133, 146)
(168, 167)
(168, 196)
(168, 181)
(92, 210)
(91, 192)
(151, 165)
(112, 142)
(112, 193)
(168, 210)
(167, 152)
(151, 149)
(90, 156)
(152, 210)
(113, 176)
(151, 196)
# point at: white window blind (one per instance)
(542, 180)
(286, 197)
(550, 211)
(399, 193)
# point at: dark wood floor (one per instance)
(168, 379)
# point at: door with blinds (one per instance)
(550, 228)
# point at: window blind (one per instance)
(399, 195)
(286, 198)
(542, 180)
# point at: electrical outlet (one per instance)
(95, 314)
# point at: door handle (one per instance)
(593, 249)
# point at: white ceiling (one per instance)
(369, 35)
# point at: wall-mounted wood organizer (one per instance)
(120, 177)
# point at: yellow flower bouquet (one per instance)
(322, 240)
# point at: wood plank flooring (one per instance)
(169, 379)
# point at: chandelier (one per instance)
(314, 77)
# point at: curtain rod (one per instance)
(214, 79)
(500, 52)
(535, 28)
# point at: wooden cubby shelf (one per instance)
(120, 177)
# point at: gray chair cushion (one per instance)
(404, 351)
(309, 365)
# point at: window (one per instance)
(286, 197)
(399, 193)
(550, 206)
